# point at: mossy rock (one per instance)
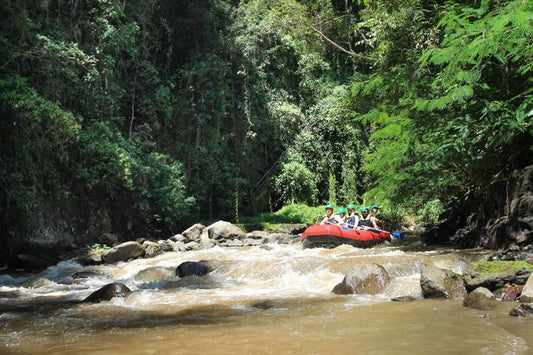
(500, 267)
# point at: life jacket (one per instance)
(350, 220)
(332, 219)
(365, 221)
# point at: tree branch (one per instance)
(341, 48)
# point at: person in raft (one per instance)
(352, 219)
(367, 220)
(330, 218)
(341, 214)
(374, 212)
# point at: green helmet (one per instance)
(364, 209)
(329, 205)
(351, 206)
(341, 211)
(374, 206)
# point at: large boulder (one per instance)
(527, 291)
(480, 298)
(495, 282)
(109, 291)
(223, 230)
(365, 279)
(193, 233)
(124, 252)
(189, 268)
(440, 283)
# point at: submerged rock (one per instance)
(189, 268)
(365, 279)
(523, 310)
(152, 274)
(109, 291)
(440, 283)
(403, 299)
(480, 298)
(124, 252)
(89, 273)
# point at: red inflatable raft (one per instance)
(330, 235)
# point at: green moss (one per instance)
(102, 248)
(500, 267)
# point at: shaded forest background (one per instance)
(141, 117)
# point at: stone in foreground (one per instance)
(440, 283)
(480, 298)
(109, 291)
(365, 279)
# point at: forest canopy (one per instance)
(158, 113)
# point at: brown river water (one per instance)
(258, 300)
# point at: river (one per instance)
(258, 300)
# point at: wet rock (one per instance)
(151, 249)
(109, 291)
(89, 274)
(152, 274)
(403, 299)
(523, 310)
(193, 233)
(440, 283)
(494, 282)
(191, 246)
(124, 252)
(108, 239)
(527, 291)
(480, 298)
(206, 244)
(178, 246)
(252, 242)
(89, 257)
(222, 230)
(178, 238)
(37, 282)
(365, 279)
(141, 240)
(258, 235)
(512, 293)
(280, 238)
(165, 245)
(189, 268)
(234, 243)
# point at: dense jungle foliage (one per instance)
(151, 114)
